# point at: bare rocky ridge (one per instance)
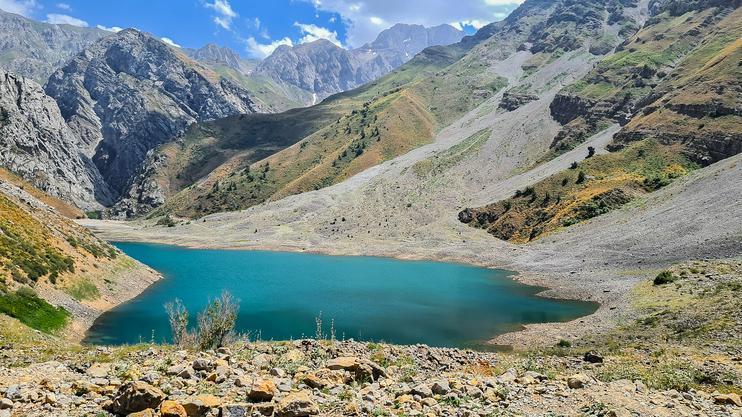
(121, 106)
(36, 143)
(36, 49)
(324, 68)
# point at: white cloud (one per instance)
(312, 33)
(64, 6)
(63, 19)
(21, 7)
(224, 13)
(262, 50)
(361, 17)
(169, 42)
(110, 29)
(475, 23)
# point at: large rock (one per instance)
(362, 369)
(297, 404)
(262, 390)
(136, 396)
(201, 405)
(172, 409)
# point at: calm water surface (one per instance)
(374, 299)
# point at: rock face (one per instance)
(325, 68)
(35, 49)
(130, 92)
(37, 144)
(319, 66)
(216, 55)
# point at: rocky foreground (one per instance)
(308, 377)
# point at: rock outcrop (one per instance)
(37, 144)
(129, 93)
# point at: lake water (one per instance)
(373, 299)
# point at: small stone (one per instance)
(297, 404)
(593, 357)
(201, 364)
(729, 399)
(136, 396)
(262, 390)
(98, 370)
(6, 404)
(200, 405)
(424, 391)
(440, 387)
(50, 398)
(144, 413)
(235, 410)
(170, 408)
(577, 381)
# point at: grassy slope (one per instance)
(658, 153)
(41, 248)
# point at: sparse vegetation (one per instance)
(215, 323)
(664, 277)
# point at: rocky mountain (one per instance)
(34, 49)
(324, 68)
(217, 56)
(121, 104)
(36, 143)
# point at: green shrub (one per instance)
(216, 323)
(664, 277)
(32, 311)
(564, 343)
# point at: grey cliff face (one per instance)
(35, 49)
(320, 66)
(37, 144)
(129, 93)
(325, 68)
(221, 56)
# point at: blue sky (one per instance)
(254, 28)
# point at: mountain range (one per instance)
(123, 94)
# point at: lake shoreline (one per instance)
(611, 305)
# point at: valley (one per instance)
(591, 147)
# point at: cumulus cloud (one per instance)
(311, 33)
(262, 50)
(21, 7)
(169, 42)
(224, 13)
(362, 17)
(110, 29)
(63, 19)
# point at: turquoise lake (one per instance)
(371, 299)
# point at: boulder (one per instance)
(362, 369)
(98, 370)
(6, 404)
(201, 364)
(730, 399)
(593, 357)
(172, 409)
(440, 387)
(578, 381)
(200, 405)
(297, 404)
(262, 390)
(136, 396)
